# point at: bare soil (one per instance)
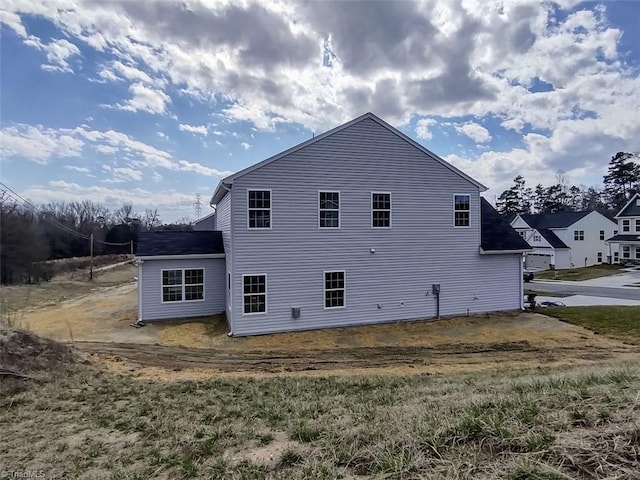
(96, 316)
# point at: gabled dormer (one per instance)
(629, 216)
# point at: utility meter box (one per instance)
(435, 288)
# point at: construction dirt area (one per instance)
(95, 317)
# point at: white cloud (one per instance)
(469, 59)
(38, 144)
(422, 128)
(201, 169)
(106, 149)
(245, 145)
(145, 99)
(77, 169)
(474, 131)
(199, 129)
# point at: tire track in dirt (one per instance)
(177, 358)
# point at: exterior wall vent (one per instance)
(295, 312)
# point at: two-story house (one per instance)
(358, 225)
(565, 239)
(626, 243)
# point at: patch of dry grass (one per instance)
(578, 274)
(573, 423)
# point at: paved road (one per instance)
(570, 289)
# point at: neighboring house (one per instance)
(358, 225)
(206, 223)
(625, 244)
(565, 239)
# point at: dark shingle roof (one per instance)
(552, 238)
(202, 242)
(632, 209)
(496, 233)
(624, 238)
(553, 220)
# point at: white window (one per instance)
(578, 235)
(537, 238)
(334, 289)
(381, 210)
(522, 234)
(625, 226)
(183, 285)
(626, 251)
(259, 208)
(599, 257)
(254, 293)
(461, 210)
(615, 256)
(601, 234)
(638, 225)
(329, 209)
(638, 253)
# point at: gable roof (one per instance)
(552, 238)
(631, 209)
(167, 242)
(553, 220)
(222, 188)
(496, 234)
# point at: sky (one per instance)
(151, 103)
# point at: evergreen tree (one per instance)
(515, 200)
(622, 179)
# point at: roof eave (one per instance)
(221, 190)
(179, 257)
(503, 252)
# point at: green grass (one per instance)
(622, 322)
(579, 422)
(578, 274)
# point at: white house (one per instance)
(565, 239)
(626, 243)
(358, 225)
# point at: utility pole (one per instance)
(91, 261)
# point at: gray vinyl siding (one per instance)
(223, 223)
(394, 283)
(152, 307)
(206, 223)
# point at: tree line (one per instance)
(30, 234)
(621, 182)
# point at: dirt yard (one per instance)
(96, 316)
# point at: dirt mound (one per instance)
(25, 352)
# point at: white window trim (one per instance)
(628, 227)
(454, 209)
(382, 210)
(603, 235)
(324, 289)
(270, 208)
(184, 300)
(266, 304)
(637, 222)
(331, 210)
(626, 251)
(599, 257)
(578, 234)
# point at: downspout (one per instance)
(227, 287)
(140, 290)
(522, 259)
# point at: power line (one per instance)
(26, 204)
